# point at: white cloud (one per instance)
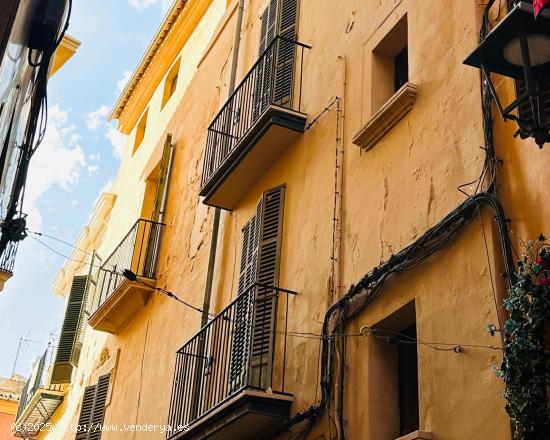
(142, 4)
(95, 120)
(96, 117)
(57, 162)
(92, 169)
(117, 140)
(121, 83)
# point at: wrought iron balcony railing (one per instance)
(138, 252)
(240, 349)
(39, 398)
(275, 81)
(37, 380)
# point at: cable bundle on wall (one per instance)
(361, 295)
(45, 37)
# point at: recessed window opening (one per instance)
(407, 359)
(390, 64)
(140, 131)
(401, 69)
(171, 83)
(394, 375)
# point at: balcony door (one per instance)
(153, 235)
(275, 75)
(255, 320)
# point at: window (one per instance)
(280, 18)
(140, 131)
(394, 376)
(390, 64)
(401, 69)
(407, 360)
(389, 94)
(72, 332)
(156, 185)
(171, 83)
(92, 411)
(261, 251)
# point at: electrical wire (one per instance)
(61, 254)
(159, 289)
(33, 137)
(361, 295)
(41, 234)
(169, 294)
(326, 109)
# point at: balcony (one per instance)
(7, 262)
(117, 299)
(39, 399)
(229, 380)
(260, 120)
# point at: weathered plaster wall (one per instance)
(102, 351)
(392, 194)
(6, 420)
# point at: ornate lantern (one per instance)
(519, 48)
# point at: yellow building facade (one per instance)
(358, 259)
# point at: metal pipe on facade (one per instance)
(338, 237)
(217, 212)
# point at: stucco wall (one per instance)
(6, 420)
(100, 349)
(392, 194)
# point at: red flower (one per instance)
(544, 263)
(545, 281)
(538, 5)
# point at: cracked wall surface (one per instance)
(392, 194)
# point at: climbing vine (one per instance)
(526, 365)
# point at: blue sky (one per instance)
(77, 160)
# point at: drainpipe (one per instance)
(215, 228)
(338, 253)
(217, 212)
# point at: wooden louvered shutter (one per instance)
(85, 413)
(269, 252)
(286, 53)
(269, 26)
(66, 356)
(92, 411)
(249, 256)
(84, 314)
(98, 413)
(264, 77)
(243, 312)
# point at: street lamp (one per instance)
(519, 48)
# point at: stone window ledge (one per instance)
(417, 435)
(384, 119)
